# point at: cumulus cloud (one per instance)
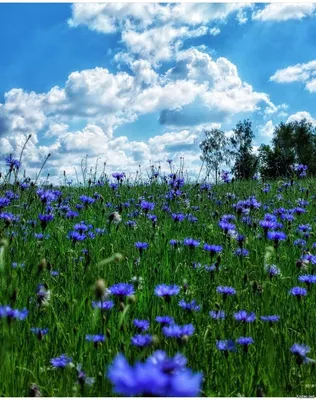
(151, 30)
(284, 11)
(300, 115)
(305, 73)
(266, 131)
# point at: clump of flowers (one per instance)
(158, 375)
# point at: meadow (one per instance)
(86, 272)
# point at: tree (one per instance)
(215, 151)
(292, 143)
(246, 163)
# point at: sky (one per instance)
(134, 84)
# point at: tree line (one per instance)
(293, 144)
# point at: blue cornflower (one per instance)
(147, 206)
(270, 318)
(276, 237)
(61, 362)
(142, 340)
(300, 242)
(83, 379)
(10, 313)
(4, 202)
(241, 252)
(12, 163)
(217, 314)
(103, 305)
(243, 316)
(86, 200)
(165, 320)
(40, 332)
(191, 306)
(166, 291)
(213, 248)
(226, 226)
(174, 242)
(297, 291)
(141, 246)
(308, 279)
(226, 345)
(226, 290)
(191, 243)
(122, 289)
(178, 217)
(76, 236)
(72, 214)
(81, 227)
(141, 324)
(95, 338)
(119, 175)
(157, 376)
(300, 351)
(273, 270)
(178, 331)
(245, 342)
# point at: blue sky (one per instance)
(139, 83)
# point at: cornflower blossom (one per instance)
(40, 332)
(141, 324)
(76, 236)
(270, 318)
(141, 246)
(83, 379)
(245, 342)
(298, 292)
(61, 362)
(226, 291)
(45, 218)
(13, 314)
(119, 176)
(166, 291)
(86, 200)
(191, 243)
(164, 320)
(158, 375)
(95, 338)
(103, 305)
(300, 351)
(178, 331)
(213, 249)
(122, 289)
(142, 340)
(226, 226)
(43, 295)
(190, 306)
(147, 206)
(273, 270)
(308, 279)
(12, 163)
(243, 316)
(241, 252)
(217, 315)
(177, 217)
(226, 346)
(276, 237)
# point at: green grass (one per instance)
(69, 316)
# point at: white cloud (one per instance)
(305, 73)
(154, 31)
(266, 131)
(300, 115)
(215, 31)
(284, 11)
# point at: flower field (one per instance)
(160, 288)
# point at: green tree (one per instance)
(246, 163)
(215, 151)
